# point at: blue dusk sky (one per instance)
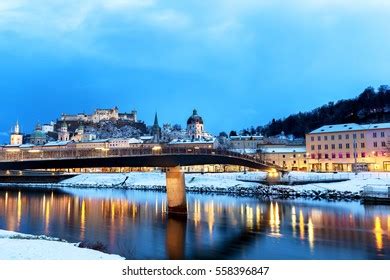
(239, 62)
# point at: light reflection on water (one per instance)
(134, 224)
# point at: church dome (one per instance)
(195, 119)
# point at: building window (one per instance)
(362, 145)
(347, 146)
(294, 156)
(319, 156)
(304, 162)
(348, 155)
(319, 138)
(273, 162)
(354, 136)
(295, 161)
(312, 147)
(374, 135)
(333, 146)
(284, 156)
(347, 136)
(325, 138)
(326, 156)
(326, 147)
(363, 154)
(333, 155)
(340, 155)
(375, 144)
(383, 144)
(355, 145)
(332, 137)
(313, 156)
(340, 146)
(340, 137)
(362, 135)
(312, 138)
(319, 147)
(382, 134)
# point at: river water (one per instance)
(134, 224)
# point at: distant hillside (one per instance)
(369, 107)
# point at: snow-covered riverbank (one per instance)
(232, 183)
(17, 246)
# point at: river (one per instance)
(134, 224)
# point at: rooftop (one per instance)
(349, 127)
(283, 150)
(249, 137)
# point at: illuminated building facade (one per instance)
(349, 147)
(16, 136)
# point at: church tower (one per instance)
(195, 126)
(16, 136)
(63, 134)
(156, 130)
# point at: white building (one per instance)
(16, 136)
(124, 143)
(63, 134)
(195, 126)
(49, 127)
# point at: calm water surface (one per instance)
(134, 224)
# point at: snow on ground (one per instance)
(17, 246)
(153, 179)
(227, 182)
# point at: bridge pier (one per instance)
(274, 177)
(176, 191)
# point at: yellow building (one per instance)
(292, 158)
(349, 147)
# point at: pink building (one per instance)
(349, 147)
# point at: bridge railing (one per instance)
(13, 154)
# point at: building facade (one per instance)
(16, 136)
(245, 144)
(292, 158)
(195, 126)
(349, 147)
(63, 134)
(101, 115)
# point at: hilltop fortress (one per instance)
(101, 115)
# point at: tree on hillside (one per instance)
(370, 106)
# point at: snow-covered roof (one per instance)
(283, 150)
(244, 151)
(349, 127)
(57, 143)
(11, 146)
(241, 137)
(97, 141)
(195, 141)
(27, 146)
(146, 138)
(128, 140)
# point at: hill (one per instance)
(370, 106)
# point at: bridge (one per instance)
(171, 158)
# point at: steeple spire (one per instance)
(17, 128)
(156, 120)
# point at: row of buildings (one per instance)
(101, 115)
(331, 148)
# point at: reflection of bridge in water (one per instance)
(134, 224)
(158, 156)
